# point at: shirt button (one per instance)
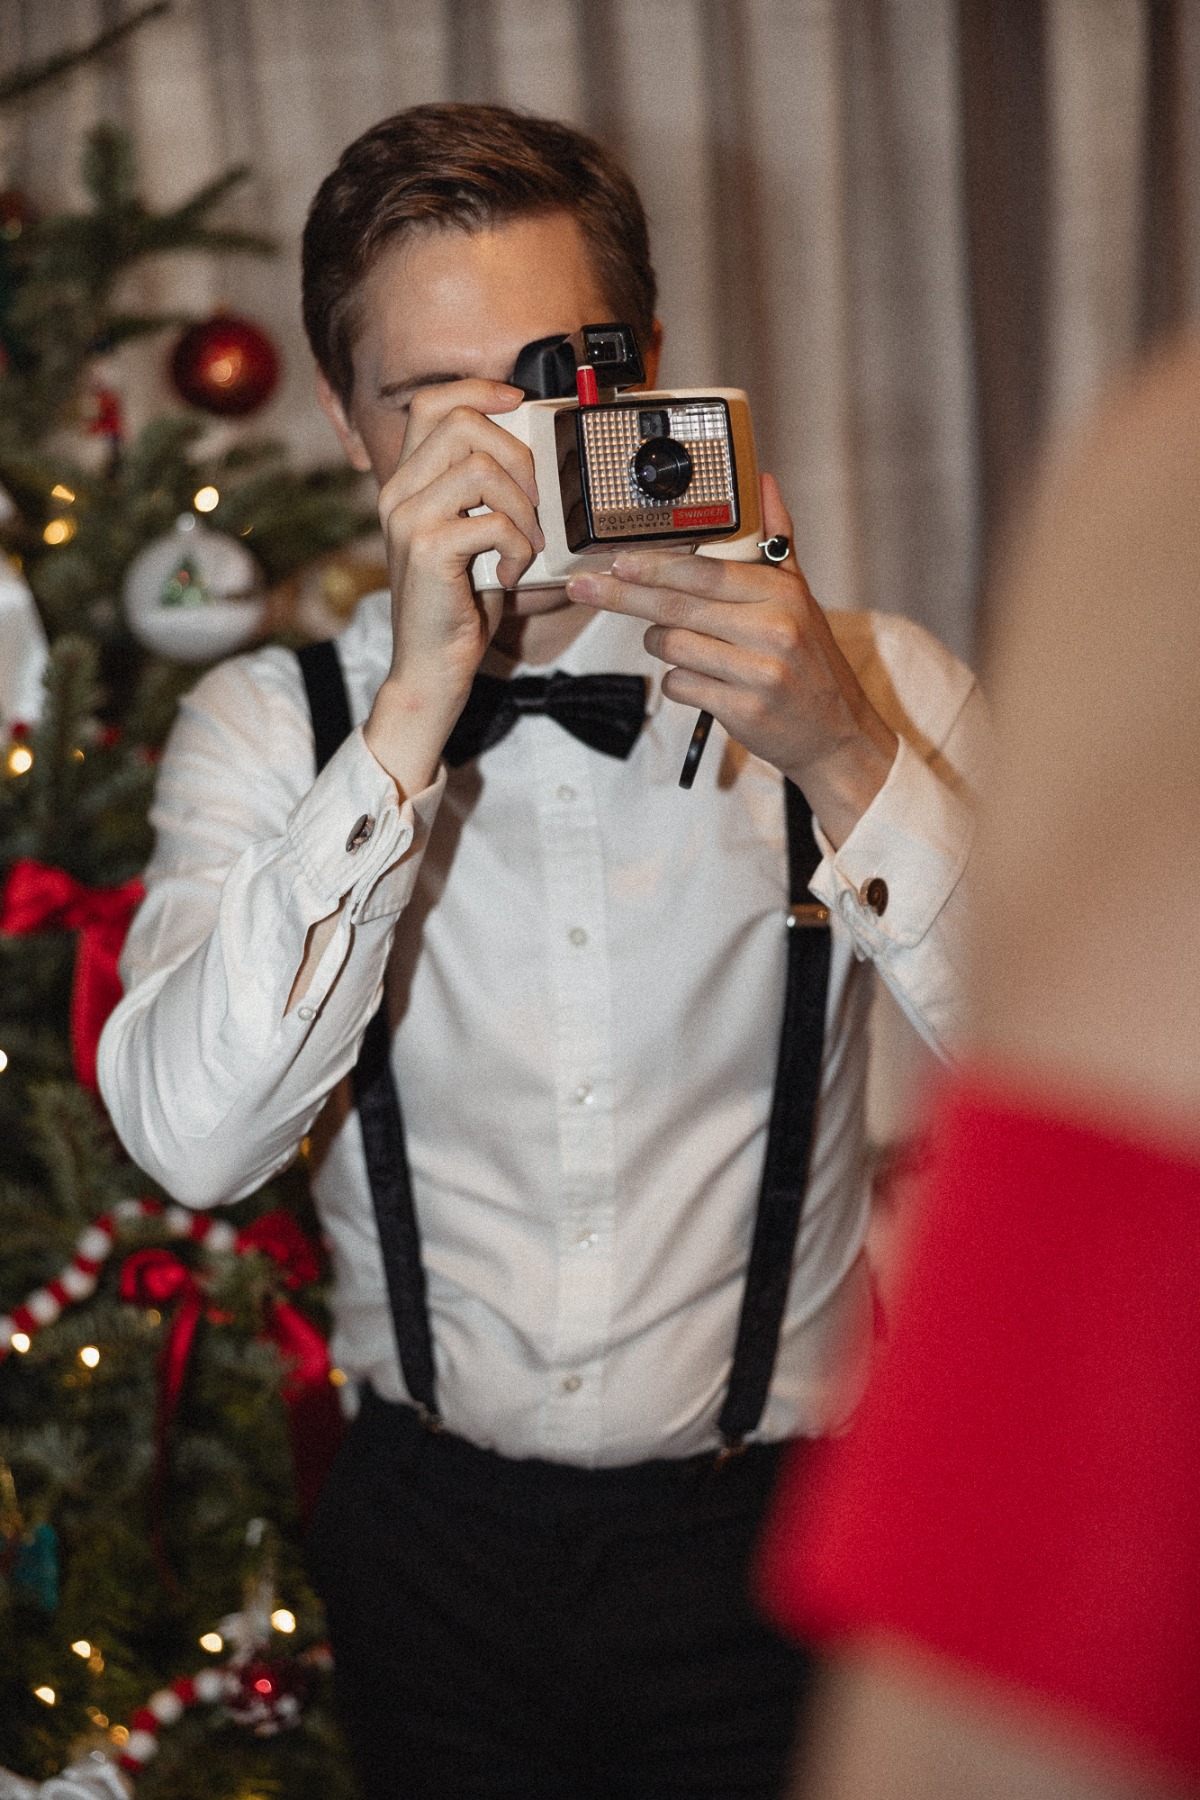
(360, 833)
(577, 934)
(874, 893)
(572, 1384)
(582, 1094)
(566, 793)
(586, 1239)
(306, 1013)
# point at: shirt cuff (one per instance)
(350, 833)
(898, 867)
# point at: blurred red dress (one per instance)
(1021, 1492)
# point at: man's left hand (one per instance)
(748, 643)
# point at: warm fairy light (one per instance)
(3, 1061)
(213, 1642)
(98, 1718)
(81, 1647)
(47, 1694)
(206, 499)
(96, 1662)
(154, 1317)
(119, 1735)
(59, 531)
(337, 1377)
(20, 758)
(89, 1356)
(77, 754)
(61, 492)
(283, 1620)
(20, 1341)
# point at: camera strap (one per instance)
(789, 1134)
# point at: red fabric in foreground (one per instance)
(1021, 1492)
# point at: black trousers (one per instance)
(506, 1628)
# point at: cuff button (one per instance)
(874, 894)
(361, 833)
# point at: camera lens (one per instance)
(662, 468)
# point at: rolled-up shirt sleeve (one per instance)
(210, 1082)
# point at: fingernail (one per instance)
(627, 563)
(583, 587)
(516, 392)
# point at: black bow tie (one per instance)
(603, 711)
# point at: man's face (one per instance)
(445, 303)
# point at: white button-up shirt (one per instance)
(585, 974)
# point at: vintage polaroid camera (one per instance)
(617, 470)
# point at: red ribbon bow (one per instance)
(158, 1278)
(38, 897)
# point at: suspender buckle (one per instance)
(807, 913)
(429, 1419)
(729, 1449)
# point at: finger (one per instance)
(428, 406)
(686, 688)
(447, 550)
(671, 605)
(702, 654)
(777, 521)
(459, 433)
(704, 577)
(479, 481)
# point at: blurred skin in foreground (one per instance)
(1086, 973)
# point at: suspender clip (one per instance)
(729, 1449)
(807, 913)
(430, 1420)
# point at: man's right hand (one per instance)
(453, 459)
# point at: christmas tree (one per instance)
(165, 1396)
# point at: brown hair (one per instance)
(469, 166)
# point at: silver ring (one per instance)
(776, 549)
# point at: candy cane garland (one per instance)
(169, 1704)
(78, 1280)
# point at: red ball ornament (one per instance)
(225, 365)
(270, 1696)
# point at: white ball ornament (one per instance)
(194, 595)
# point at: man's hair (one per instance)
(470, 167)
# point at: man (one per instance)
(585, 984)
(1006, 1554)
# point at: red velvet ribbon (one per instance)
(38, 897)
(158, 1278)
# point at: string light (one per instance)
(81, 1647)
(77, 754)
(20, 1341)
(61, 492)
(59, 531)
(3, 1061)
(20, 759)
(213, 1642)
(206, 499)
(98, 1718)
(337, 1377)
(89, 1356)
(46, 1694)
(283, 1620)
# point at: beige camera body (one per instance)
(609, 478)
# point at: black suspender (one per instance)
(789, 1135)
(377, 1100)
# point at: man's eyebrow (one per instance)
(389, 389)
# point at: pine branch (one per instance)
(26, 80)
